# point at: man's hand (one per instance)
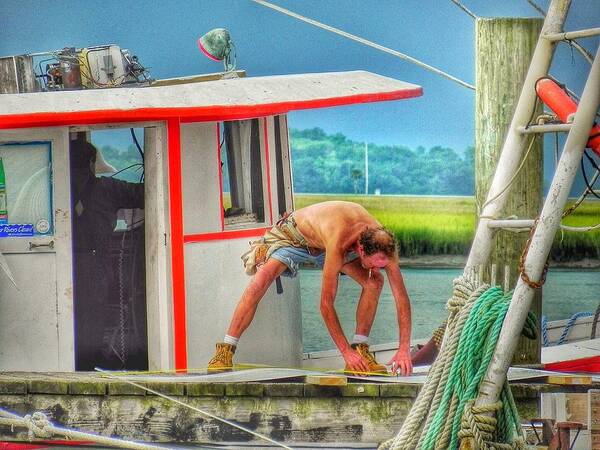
(401, 363)
(354, 361)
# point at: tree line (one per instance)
(332, 163)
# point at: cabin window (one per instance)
(243, 173)
(122, 158)
(25, 189)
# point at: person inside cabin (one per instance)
(340, 237)
(95, 203)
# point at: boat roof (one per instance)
(227, 99)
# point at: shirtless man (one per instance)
(339, 237)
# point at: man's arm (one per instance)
(124, 194)
(401, 361)
(331, 270)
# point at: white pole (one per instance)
(366, 169)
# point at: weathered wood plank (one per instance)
(151, 418)
(205, 389)
(244, 389)
(360, 390)
(504, 47)
(284, 389)
(399, 390)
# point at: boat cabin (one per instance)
(145, 273)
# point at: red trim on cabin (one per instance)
(177, 261)
(267, 157)
(220, 172)
(225, 235)
(192, 114)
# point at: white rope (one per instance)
(364, 41)
(510, 182)
(40, 427)
(464, 8)
(193, 408)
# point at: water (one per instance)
(566, 292)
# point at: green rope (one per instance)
(464, 379)
(467, 350)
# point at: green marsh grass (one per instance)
(446, 225)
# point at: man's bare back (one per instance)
(333, 225)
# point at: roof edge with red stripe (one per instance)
(207, 101)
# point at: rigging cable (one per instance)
(464, 8)
(137, 144)
(572, 43)
(537, 8)
(590, 186)
(364, 41)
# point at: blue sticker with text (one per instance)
(16, 230)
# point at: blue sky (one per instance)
(163, 34)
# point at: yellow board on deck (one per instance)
(327, 380)
(568, 379)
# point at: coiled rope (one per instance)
(39, 427)
(443, 412)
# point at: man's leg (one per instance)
(253, 294)
(369, 296)
(365, 311)
(244, 313)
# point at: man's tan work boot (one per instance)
(223, 359)
(373, 365)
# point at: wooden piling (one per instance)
(504, 47)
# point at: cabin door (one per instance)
(36, 326)
(108, 225)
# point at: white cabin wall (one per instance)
(215, 280)
(214, 273)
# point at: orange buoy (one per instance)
(564, 107)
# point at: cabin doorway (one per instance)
(109, 270)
